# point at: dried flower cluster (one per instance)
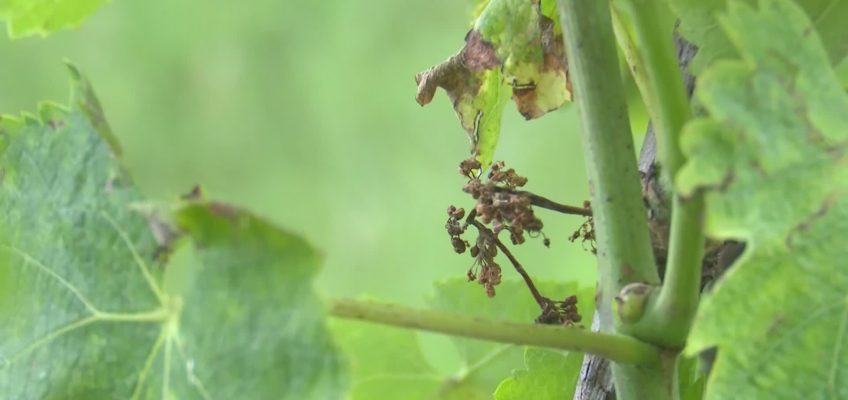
(560, 312)
(489, 274)
(497, 201)
(501, 206)
(485, 270)
(586, 232)
(456, 228)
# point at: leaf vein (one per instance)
(837, 350)
(137, 257)
(53, 274)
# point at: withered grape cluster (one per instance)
(561, 312)
(586, 232)
(456, 228)
(499, 203)
(483, 251)
(503, 207)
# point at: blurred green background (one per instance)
(304, 112)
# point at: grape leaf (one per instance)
(691, 378)
(512, 303)
(86, 315)
(549, 374)
(254, 286)
(771, 160)
(842, 72)
(31, 17)
(514, 49)
(388, 363)
(699, 25)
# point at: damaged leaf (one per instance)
(771, 161)
(700, 26)
(87, 309)
(515, 49)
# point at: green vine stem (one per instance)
(624, 248)
(622, 349)
(654, 64)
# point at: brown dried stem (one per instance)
(546, 203)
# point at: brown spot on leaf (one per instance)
(223, 210)
(775, 324)
(164, 233)
(837, 152)
(116, 180)
(804, 225)
(55, 124)
(196, 193)
(458, 74)
(553, 46)
(524, 97)
(537, 74)
(553, 66)
(758, 168)
(478, 55)
(726, 181)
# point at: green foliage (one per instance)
(89, 309)
(699, 25)
(691, 378)
(771, 159)
(31, 17)
(842, 72)
(514, 49)
(389, 363)
(86, 315)
(386, 363)
(253, 286)
(549, 375)
(512, 303)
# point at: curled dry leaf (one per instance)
(514, 50)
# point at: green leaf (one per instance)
(699, 25)
(253, 284)
(86, 316)
(31, 17)
(492, 362)
(548, 375)
(513, 302)
(772, 162)
(842, 72)
(515, 49)
(388, 363)
(691, 379)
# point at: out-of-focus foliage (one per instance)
(86, 315)
(308, 121)
(389, 363)
(842, 72)
(701, 25)
(549, 375)
(30, 17)
(512, 303)
(772, 160)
